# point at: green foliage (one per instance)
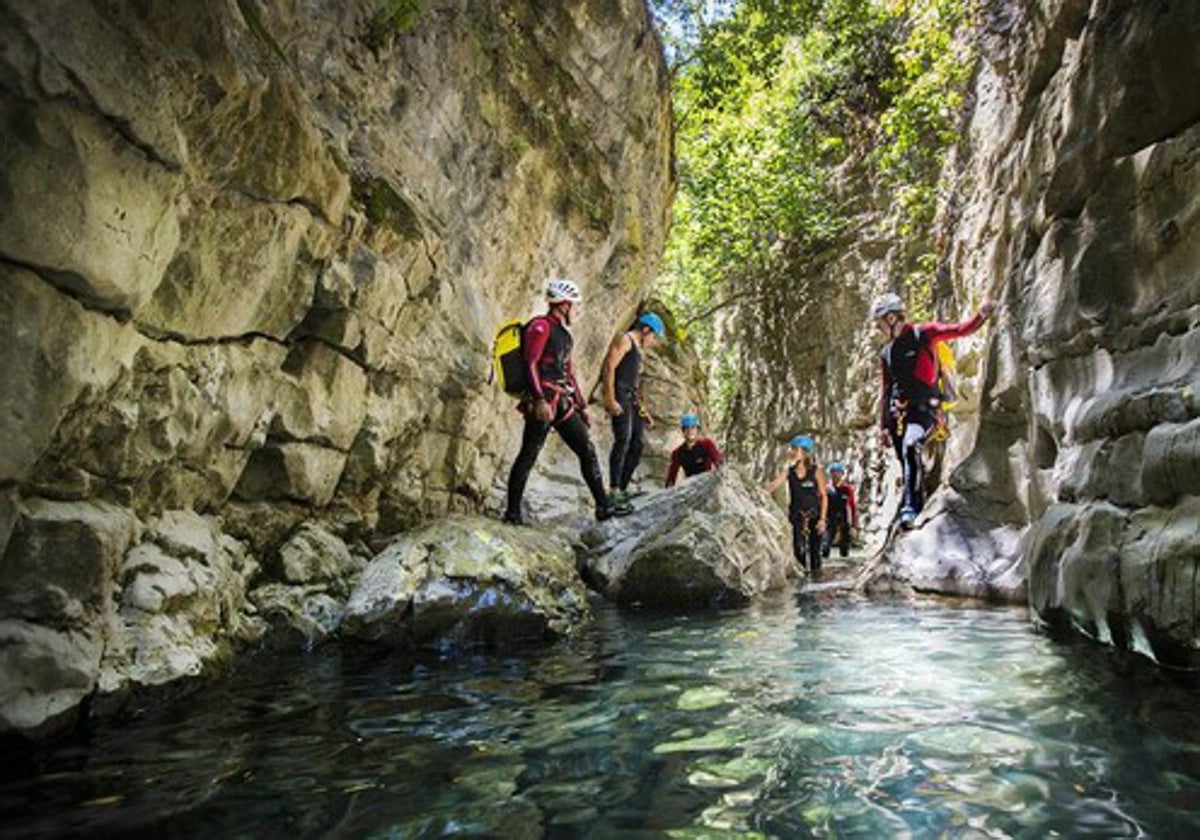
(391, 18)
(385, 207)
(787, 111)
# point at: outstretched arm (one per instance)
(938, 331)
(773, 485)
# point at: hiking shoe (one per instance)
(609, 511)
(512, 518)
(618, 497)
(908, 518)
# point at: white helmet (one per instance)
(560, 289)
(886, 304)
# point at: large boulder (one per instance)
(715, 539)
(951, 553)
(468, 579)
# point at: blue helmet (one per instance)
(802, 442)
(689, 421)
(652, 321)
(837, 466)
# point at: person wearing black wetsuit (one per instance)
(554, 400)
(908, 393)
(807, 502)
(622, 375)
(695, 455)
(843, 512)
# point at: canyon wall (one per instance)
(254, 253)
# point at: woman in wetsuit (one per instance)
(807, 503)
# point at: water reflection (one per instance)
(787, 719)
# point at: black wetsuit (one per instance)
(804, 509)
(627, 426)
(837, 524)
(556, 385)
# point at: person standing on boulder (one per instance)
(808, 504)
(695, 455)
(843, 512)
(553, 400)
(909, 395)
(622, 375)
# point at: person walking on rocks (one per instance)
(622, 400)
(695, 455)
(807, 502)
(843, 512)
(553, 400)
(909, 397)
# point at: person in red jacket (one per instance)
(695, 455)
(908, 394)
(554, 400)
(843, 512)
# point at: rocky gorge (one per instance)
(1069, 477)
(254, 253)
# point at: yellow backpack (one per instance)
(508, 362)
(947, 390)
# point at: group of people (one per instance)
(823, 512)
(554, 400)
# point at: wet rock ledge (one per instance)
(188, 596)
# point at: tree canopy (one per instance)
(779, 104)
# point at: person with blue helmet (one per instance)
(696, 454)
(622, 400)
(808, 504)
(843, 512)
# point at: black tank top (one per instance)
(803, 496)
(625, 378)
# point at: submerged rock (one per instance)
(468, 579)
(715, 539)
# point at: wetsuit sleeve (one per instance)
(533, 344)
(852, 505)
(673, 469)
(938, 331)
(714, 454)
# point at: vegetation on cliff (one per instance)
(793, 118)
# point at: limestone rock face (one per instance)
(467, 579)
(1074, 204)
(251, 262)
(1080, 198)
(715, 539)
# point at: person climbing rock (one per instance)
(843, 512)
(695, 455)
(622, 400)
(807, 503)
(909, 398)
(553, 400)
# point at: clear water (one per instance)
(791, 719)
